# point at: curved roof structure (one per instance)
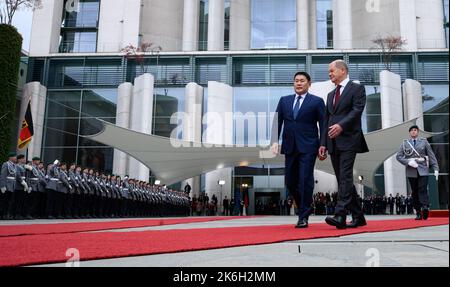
(173, 160)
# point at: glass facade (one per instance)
(324, 16)
(79, 26)
(203, 26)
(82, 89)
(273, 24)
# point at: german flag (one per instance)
(27, 131)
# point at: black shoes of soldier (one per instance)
(357, 222)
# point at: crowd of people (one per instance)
(29, 190)
(324, 204)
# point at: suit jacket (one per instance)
(302, 133)
(348, 115)
(406, 153)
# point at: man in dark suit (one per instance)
(342, 136)
(300, 115)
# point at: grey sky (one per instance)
(22, 21)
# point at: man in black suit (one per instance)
(343, 138)
(300, 115)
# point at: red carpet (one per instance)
(41, 249)
(53, 228)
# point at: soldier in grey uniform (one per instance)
(65, 190)
(75, 182)
(7, 184)
(36, 182)
(416, 154)
(16, 208)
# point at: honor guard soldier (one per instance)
(20, 190)
(52, 189)
(75, 182)
(7, 185)
(65, 190)
(416, 154)
(36, 182)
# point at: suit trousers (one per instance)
(300, 181)
(343, 162)
(419, 191)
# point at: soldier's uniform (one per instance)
(17, 208)
(36, 182)
(75, 182)
(418, 157)
(52, 192)
(7, 186)
(65, 191)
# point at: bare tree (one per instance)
(8, 8)
(138, 53)
(389, 46)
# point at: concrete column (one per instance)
(412, 101)
(392, 114)
(192, 129)
(125, 92)
(240, 25)
(46, 28)
(408, 24)
(37, 93)
(219, 131)
(118, 25)
(141, 119)
(302, 25)
(190, 25)
(430, 30)
(342, 24)
(312, 16)
(216, 25)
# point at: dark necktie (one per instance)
(338, 96)
(414, 141)
(297, 106)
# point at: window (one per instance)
(79, 26)
(324, 24)
(203, 27)
(274, 24)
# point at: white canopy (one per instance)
(174, 160)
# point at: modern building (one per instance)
(237, 56)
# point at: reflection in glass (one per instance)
(273, 24)
(99, 103)
(97, 158)
(324, 16)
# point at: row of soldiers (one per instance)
(29, 190)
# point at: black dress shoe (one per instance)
(337, 221)
(425, 213)
(302, 223)
(418, 216)
(356, 222)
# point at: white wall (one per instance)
(240, 25)
(162, 23)
(46, 28)
(430, 30)
(118, 24)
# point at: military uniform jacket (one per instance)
(36, 179)
(8, 176)
(53, 178)
(63, 185)
(20, 176)
(423, 148)
(87, 184)
(75, 182)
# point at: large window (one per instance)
(72, 114)
(274, 24)
(324, 24)
(203, 26)
(79, 26)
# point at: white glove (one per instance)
(413, 164)
(29, 167)
(3, 189)
(436, 174)
(56, 162)
(29, 190)
(70, 187)
(25, 185)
